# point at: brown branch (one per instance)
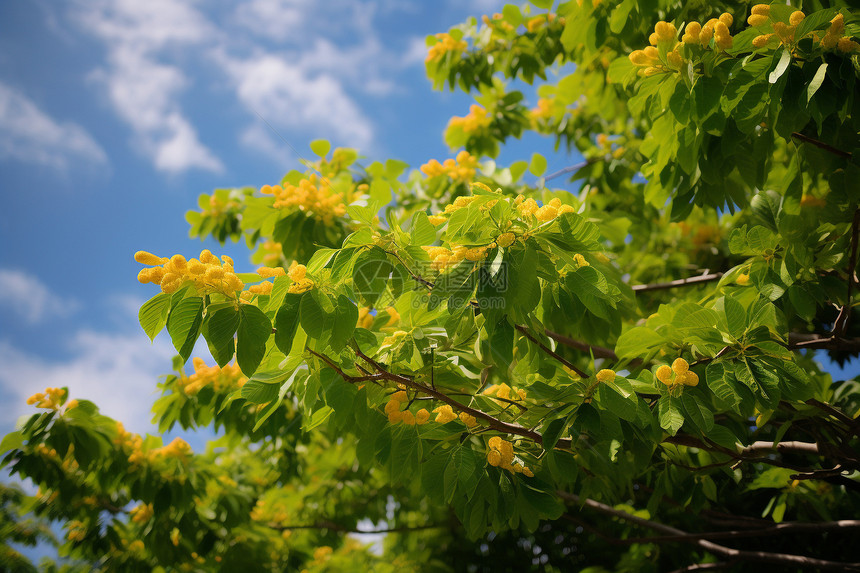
(711, 547)
(838, 414)
(782, 447)
(572, 168)
(705, 566)
(335, 527)
(597, 351)
(801, 340)
(678, 283)
(840, 326)
(821, 144)
(552, 353)
(492, 422)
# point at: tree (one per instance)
(506, 376)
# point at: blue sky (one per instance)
(116, 114)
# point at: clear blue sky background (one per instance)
(116, 114)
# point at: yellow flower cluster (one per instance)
(365, 319)
(695, 34)
(678, 375)
(311, 196)
(208, 274)
(443, 258)
(49, 399)
(497, 23)
(538, 22)
(178, 449)
(142, 513)
(270, 511)
(77, 530)
(506, 239)
(301, 283)
(476, 120)
(461, 169)
(445, 414)
(445, 44)
(218, 206)
(505, 392)
(392, 408)
(175, 536)
(272, 252)
(322, 554)
(528, 207)
(220, 378)
(743, 279)
(785, 32)
(501, 455)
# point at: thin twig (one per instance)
(678, 283)
(551, 352)
(335, 527)
(821, 144)
(572, 168)
(714, 548)
(597, 351)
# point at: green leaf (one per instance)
(153, 314)
(312, 315)
(553, 431)
(287, 322)
(697, 412)
(735, 317)
(259, 392)
(816, 82)
(781, 66)
(317, 418)
(184, 323)
(370, 275)
(537, 166)
(671, 418)
(423, 233)
(620, 15)
(345, 319)
(722, 384)
(321, 147)
(11, 441)
(219, 331)
(637, 342)
(251, 337)
(619, 401)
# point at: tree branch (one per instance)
(597, 351)
(552, 353)
(572, 168)
(335, 527)
(493, 422)
(711, 547)
(678, 283)
(821, 144)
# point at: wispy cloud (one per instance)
(116, 368)
(27, 297)
(289, 98)
(142, 88)
(30, 135)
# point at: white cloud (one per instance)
(290, 98)
(24, 295)
(117, 371)
(276, 20)
(30, 135)
(143, 90)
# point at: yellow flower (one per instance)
(437, 220)
(761, 10)
(691, 33)
(468, 419)
(665, 31)
(796, 17)
(761, 41)
(680, 366)
(145, 258)
(506, 239)
(664, 374)
(444, 414)
(743, 279)
(605, 375)
(422, 416)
